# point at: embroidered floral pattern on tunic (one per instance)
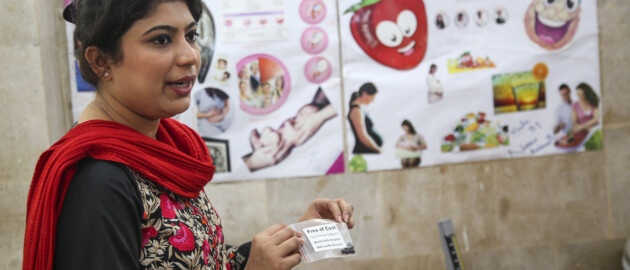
(182, 233)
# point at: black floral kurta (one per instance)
(114, 218)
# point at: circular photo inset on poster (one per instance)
(461, 19)
(314, 40)
(214, 111)
(205, 41)
(481, 17)
(312, 11)
(317, 69)
(441, 20)
(264, 83)
(501, 15)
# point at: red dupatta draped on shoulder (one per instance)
(178, 160)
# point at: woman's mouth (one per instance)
(183, 86)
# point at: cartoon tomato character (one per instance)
(392, 32)
(466, 61)
(552, 23)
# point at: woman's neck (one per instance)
(108, 109)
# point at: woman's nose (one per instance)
(188, 53)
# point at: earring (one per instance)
(106, 74)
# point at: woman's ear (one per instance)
(98, 63)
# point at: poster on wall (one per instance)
(425, 82)
(268, 94)
(434, 82)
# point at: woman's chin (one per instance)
(176, 109)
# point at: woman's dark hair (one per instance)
(409, 126)
(214, 93)
(320, 100)
(432, 67)
(102, 23)
(367, 88)
(589, 94)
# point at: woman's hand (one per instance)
(338, 209)
(275, 248)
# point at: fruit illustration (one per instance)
(392, 32)
(552, 23)
(472, 127)
(540, 71)
(474, 132)
(358, 164)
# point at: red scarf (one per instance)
(178, 160)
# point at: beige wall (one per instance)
(556, 212)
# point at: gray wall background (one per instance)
(555, 212)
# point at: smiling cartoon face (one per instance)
(552, 23)
(392, 32)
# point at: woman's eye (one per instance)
(161, 40)
(192, 36)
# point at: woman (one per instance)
(586, 110)
(279, 87)
(585, 116)
(214, 107)
(440, 22)
(436, 91)
(123, 189)
(410, 146)
(267, 98)
(245, 96)
(367, 140)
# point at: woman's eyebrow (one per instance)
(191, 25)
(169, 28)
(161, 27)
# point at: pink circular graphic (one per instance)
(312, 11)
(314, 40)
(317, 69)
(264, 84)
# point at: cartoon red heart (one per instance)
(392, 32)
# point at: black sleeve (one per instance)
(239, 255)
(99, 224)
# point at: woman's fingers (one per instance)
(333, 207)
(282, 235)
(346, 209)
(290, 245)
(275, 248)
(273, 229)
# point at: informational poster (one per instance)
(268, 96)
(425, 82)
(446, 81)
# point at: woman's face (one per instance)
(406, 128)
(266, 89)
(580, 94)
(367, 98)
(243, 74)
(243, 88)
(159, 64)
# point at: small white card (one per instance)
(324, 237)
